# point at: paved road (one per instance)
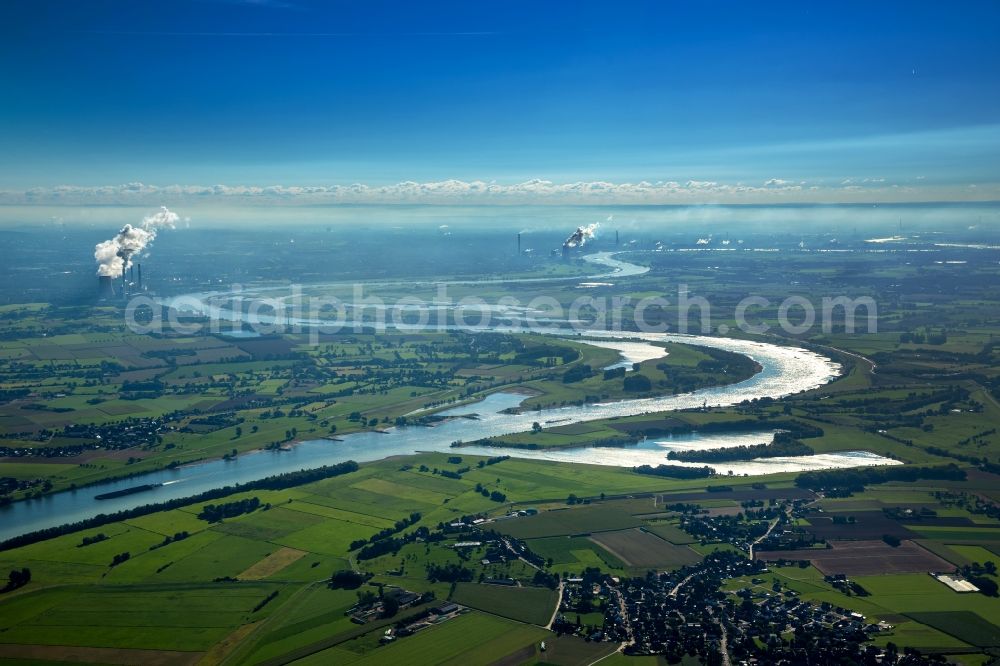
(724, 645)
(678, 586)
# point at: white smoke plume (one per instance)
(582, 234)
(114, 256)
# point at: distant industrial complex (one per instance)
(129, 285)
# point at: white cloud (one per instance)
(533, 191)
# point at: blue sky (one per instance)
(704, 101)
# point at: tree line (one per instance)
(675, 471)
(855, 479)
(215, 513)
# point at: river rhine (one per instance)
(785, 370)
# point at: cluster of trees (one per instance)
(543, 355)
(932, 337)
(457, 474)
(545, 579)
(448, 573)
(394, 544)
(637, 384)
(982, 576)
(400, 525)
(614, 373)
(6, 395)
(675, 471)
(491, 461)
(214, 513)
(495, 495)
(784, 446)
(855, 479)
(88, 541)
(142, 390)
(167, 540)
(346, 579)
(17, 578)
(577, 374)
(214, 422)
(38, 407)
(120, 558)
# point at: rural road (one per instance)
(555, 612)
(774, 523)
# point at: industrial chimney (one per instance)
(519, 243)
(139, 285)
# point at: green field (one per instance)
(533, 605)
(569, 521)
(671, 533)
(963, 625)
(469, 639)
(643, 550)
(183, 617)
(574, 553)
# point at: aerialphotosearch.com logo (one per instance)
(254, 312)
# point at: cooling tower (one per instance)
(105, 287)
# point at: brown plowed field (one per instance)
(865, 558)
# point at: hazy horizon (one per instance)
(968, 217)
(301, 101)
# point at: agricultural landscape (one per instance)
(417, 554)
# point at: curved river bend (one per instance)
(785, 370)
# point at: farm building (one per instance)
(956, 583)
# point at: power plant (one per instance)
(131, 284)
(114, 256)
(579, 238)
(584, 235)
